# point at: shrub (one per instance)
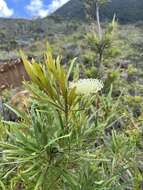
(61, 143)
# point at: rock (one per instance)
(20, 101)
(123, 64)
(9, 115)
(132, 78)
(137, 111)
(12, 73)
(117, 125)
(1, 106)
(124, 75)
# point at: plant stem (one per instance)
(67, 118)
(98, 21)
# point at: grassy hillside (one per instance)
(73, 9)
(70, 134)
(126, 10)
(70, 19)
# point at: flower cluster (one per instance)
(87, 86)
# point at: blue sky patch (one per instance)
(29, 8)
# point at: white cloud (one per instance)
(4, 10)
(38, 9)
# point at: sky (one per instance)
(29, 8)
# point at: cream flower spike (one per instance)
(87, 86)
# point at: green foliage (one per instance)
(2, 129)
(91, 72)
(68, 141)
(103, 46)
